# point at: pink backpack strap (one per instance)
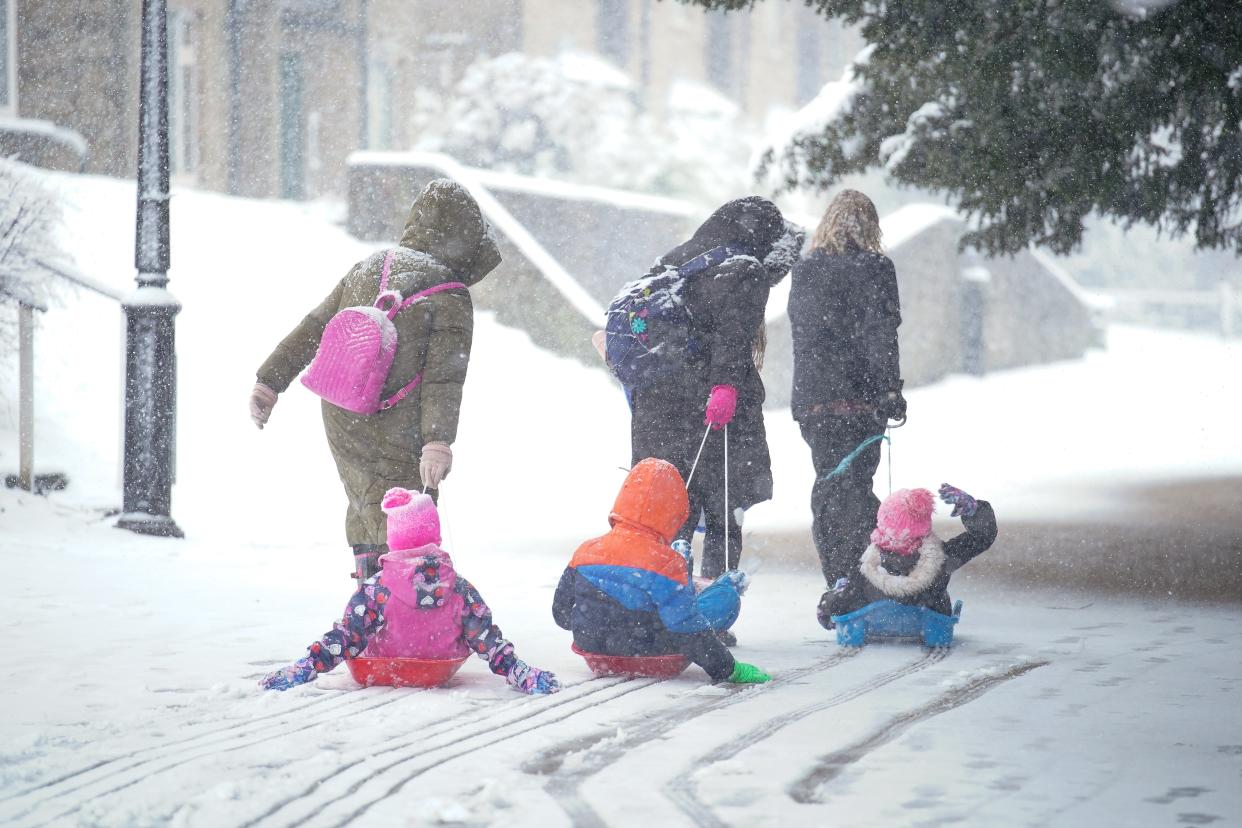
(387, 269)
(422, 294)
(403, 393)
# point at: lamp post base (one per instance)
(160, 526)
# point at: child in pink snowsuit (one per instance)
(416, 607)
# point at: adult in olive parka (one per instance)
(446, 239)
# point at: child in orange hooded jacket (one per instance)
(629, 593)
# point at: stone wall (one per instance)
(1031, 316)
(42, 144)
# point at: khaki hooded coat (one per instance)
(446, 239)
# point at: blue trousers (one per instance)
(720, 603)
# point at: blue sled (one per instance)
(890, 620)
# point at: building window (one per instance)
(809, 36)
(379, 105)
(292, 128)
(718, 51)
(612, 30)
(8, 57)
(183, 148)
(644, 50)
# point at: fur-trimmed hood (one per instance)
(926, 570)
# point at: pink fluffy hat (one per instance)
(903, 521)
(413, 521)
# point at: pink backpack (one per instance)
(356, 350)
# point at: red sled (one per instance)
(658, 667)
(404, 672)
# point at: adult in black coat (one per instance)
(726, 304)
(844, 311)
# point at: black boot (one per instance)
(824, 611)
(366, 560)
(845, 596)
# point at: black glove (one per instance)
(891, 405)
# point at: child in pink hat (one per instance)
(906, 561)
(417, 606)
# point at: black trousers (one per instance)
(843, 506)
(718, 523)
(657, 431)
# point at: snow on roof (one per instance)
(592, 69)
(904, 223)
(687, 96)
(1050, 264)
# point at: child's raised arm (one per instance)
(978, 519)
(362, 619)
(488, 642)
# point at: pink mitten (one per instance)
(435, 463)
(720, 406)
(262, 401)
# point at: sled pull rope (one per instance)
(448, 525)
(853, 455)
(888, 436)
(727, 517)
(695, 464)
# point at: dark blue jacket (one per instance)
(628, 592)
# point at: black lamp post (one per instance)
(150, 349)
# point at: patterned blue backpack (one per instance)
(649, 327)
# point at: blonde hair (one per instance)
(850, 220)
(759, 346)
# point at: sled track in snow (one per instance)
(424, 757)
(325, 696)
(600, 750)
(237, 736)
(420, 746)
(810, 788)
(119, 773)
(681, 789)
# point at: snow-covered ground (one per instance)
(129, 693)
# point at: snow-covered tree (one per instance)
(576, 117)
(1032, 115)
(29, 216)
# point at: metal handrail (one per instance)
(71, 274)
(26, 306)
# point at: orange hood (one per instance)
(653, 498)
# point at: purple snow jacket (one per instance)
(416, 607)
(423, 612)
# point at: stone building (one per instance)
(269, 97)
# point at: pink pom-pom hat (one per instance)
(903, 521)
(413, 521)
